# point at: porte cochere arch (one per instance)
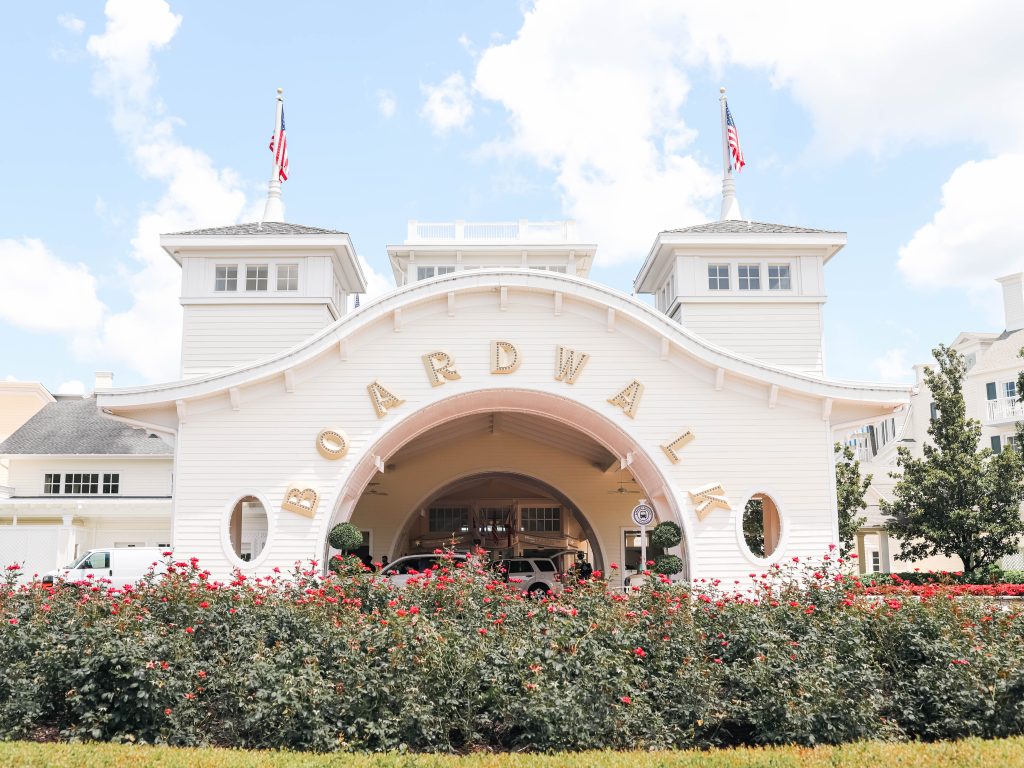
(582, 375)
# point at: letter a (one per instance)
(569, 364)
(505, 358)
(382, 399)
(440, 368)
(629, 398)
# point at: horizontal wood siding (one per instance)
(218, 337)
(268, 443)
(138, 476)
(786, 334)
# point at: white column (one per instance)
(885, 564)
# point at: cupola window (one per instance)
(718, 277)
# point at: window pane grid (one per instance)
(51, 483)
(424, 273)
(111, 483)
(288, 277)
(541, 519)
(779, 277)
(256, 277)
(749, 277)
(445, 519)
(718, 277)
(226, 279)
(81, 484)
(1010, 390)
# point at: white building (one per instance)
(497, 397)
(75, 480)
(990, 396)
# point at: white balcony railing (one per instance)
(1005, 409)
(522, 231)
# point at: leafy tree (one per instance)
(346, 537)
(850, 491)
(956, 500)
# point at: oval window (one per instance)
(761, 525)
(247, 529)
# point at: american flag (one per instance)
(281, 155)
(733, 135)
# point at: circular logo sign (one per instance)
(643, 514)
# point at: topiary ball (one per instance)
(345, 536)
(668, 564)
(666, 535)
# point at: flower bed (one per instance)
(460, 661)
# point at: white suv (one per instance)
(411, 566)
(536, 575)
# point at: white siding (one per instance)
(784, 334)
(138, 476)
(218, 337)
(741, 442)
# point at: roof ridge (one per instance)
(260, 228)
(741, 226)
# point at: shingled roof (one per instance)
(256, 228)
(73, 425)
(740, 227)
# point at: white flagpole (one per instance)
(274, 210)
(730, 205)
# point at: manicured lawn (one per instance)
(1005, 753)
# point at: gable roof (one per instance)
(257, 228)
(1004, 353)
(74, 425)
(739, 227)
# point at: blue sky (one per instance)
(141, 117)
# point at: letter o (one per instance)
(332, 444)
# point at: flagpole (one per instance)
(274, 209)
(730, 205)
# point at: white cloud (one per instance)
(73, 387)
(892, 366)
(605, 113)
(41, 293)
(146, 337)
(386, 103)
(377, 284)
(71, 23)
(448, 103)
(976, 235)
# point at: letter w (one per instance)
(569, 364)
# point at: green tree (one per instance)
(850, 491)
(956, 500)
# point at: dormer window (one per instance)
(778, 277)
(226, 278)
(750, 277)
(287, 277)
(718, 277)
(256, 277)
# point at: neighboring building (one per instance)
(77, 480)
(990, 396)
(19, 401)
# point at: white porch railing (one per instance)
(522, 231)
(1004, 409)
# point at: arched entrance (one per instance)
(506, 513)
(537, 451)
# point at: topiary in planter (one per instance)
(668, 564)
(666, 535)
(345, 536)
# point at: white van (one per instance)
(120, 566)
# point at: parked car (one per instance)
(119, 566)
(410, 566)
(536, 575)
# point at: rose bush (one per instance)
(460, 661)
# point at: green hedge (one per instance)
(970, 753)
(991, 576)
(460, 662)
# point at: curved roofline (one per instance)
(467, 281)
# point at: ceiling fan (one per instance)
(373, 490)
(622, 489)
